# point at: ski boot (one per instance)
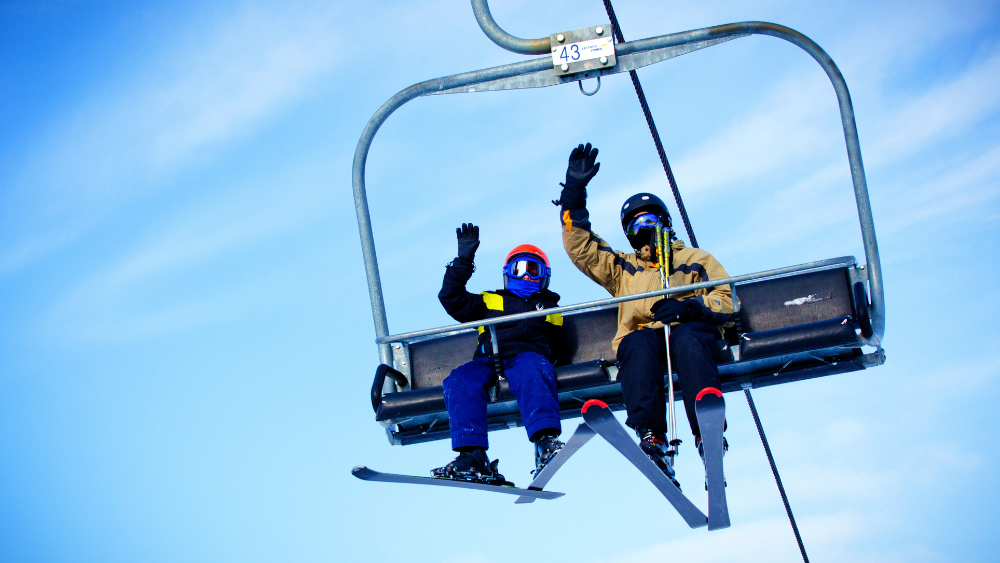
(654, 445)
(546, 448)
(472, 466)
(701, 453)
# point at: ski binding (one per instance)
(581, 436)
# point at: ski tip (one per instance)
(359, 470)
(706, 391)
(593, 403)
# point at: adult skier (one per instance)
(695, 316)
(526, 358)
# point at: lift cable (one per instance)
(777, 478)
(619, 38)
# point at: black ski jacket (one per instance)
(541, 334)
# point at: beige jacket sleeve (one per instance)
(720, 298)
(589, 252)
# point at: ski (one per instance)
(600, 418)
(365, 474)
(710, 408)
(581, 436)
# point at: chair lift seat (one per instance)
(793, 327)
(430, 400)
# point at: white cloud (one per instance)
(786, 131)
(788, 127)
(805, 208)
(956, 186)
(938, 114)
(215, 83)
(114, 303)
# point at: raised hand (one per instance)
(468, 241)
(582, 167)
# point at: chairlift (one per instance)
(793, 323)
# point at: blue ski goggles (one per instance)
(642, 221)
(524, 266)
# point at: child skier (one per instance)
(525, 358)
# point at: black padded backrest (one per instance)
(588, 337)
(795, 300)
(432, 360)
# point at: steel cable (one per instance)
(619, 38)
(777, 478)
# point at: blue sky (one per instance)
(186, 344)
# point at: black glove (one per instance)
(668, 310)
(582, 167)
(468, 241)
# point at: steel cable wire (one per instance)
(777, 478)
(619, 38)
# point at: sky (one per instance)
(186, 342)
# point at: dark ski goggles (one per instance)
(642, 221)
(525, 266)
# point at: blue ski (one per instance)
(600, 418)
(365, 474)
(710, 408)
(581, 436)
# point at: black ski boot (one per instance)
(701, 453)
(546, 448)
(472, 466)
(654, 445)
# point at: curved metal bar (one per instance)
(586, 93)
(846, 117)
(361, 157)
(542, 46)
(643, 45)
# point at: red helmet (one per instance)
(527, 249)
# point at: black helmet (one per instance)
(643, 203)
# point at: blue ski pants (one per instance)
(532, 381)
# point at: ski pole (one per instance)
(666, 268)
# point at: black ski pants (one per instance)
(642, 365)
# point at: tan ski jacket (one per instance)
(626, 274)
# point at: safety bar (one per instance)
(640, 46)
(819, 264)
